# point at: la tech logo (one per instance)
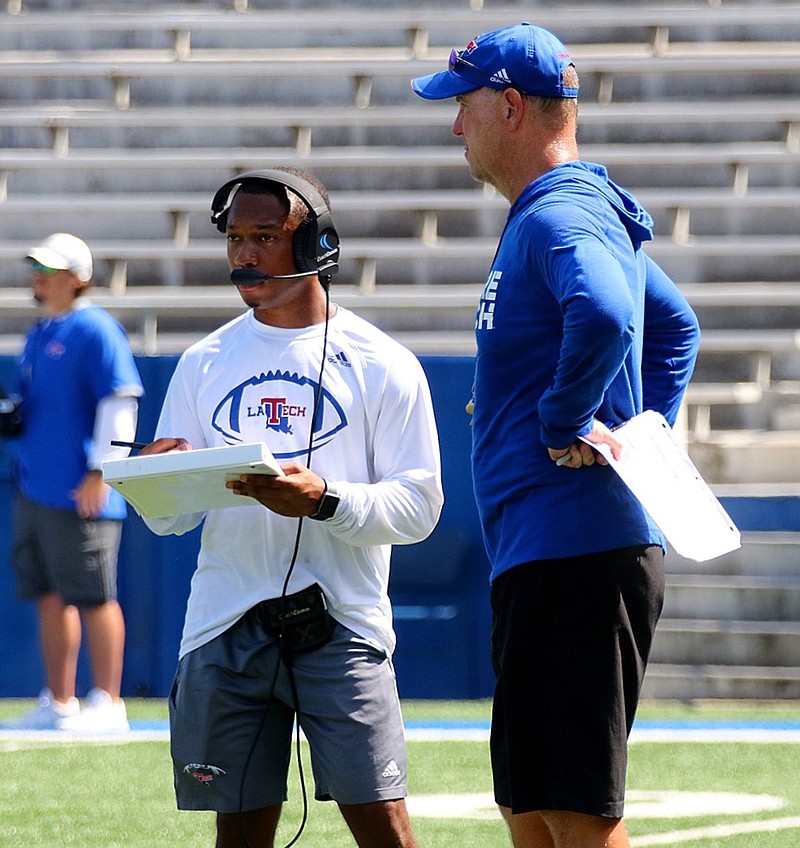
(282, 404)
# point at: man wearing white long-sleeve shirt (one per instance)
(79, 390)
(324, 390)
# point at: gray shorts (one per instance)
(232, 715)
(55, 550)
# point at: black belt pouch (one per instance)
(300, 621)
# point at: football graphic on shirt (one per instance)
(277, 407)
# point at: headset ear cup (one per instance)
(327, 246)
(304, 246)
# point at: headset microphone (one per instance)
(249, 276)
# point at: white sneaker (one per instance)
(49, 714)
(101, 714)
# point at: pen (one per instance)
(134, 445)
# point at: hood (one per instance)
(583, 177)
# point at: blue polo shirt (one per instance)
(69, 364)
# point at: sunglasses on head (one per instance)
(38, 268)
(457, 58)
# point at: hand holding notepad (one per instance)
(180, 482)
(665, 481)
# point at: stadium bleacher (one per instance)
(118, 123)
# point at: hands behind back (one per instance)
(581, 454)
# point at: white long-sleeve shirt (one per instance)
(374, 440)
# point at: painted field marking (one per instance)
(667, 804)
(639, 805)
(716, 832)
(440, 730)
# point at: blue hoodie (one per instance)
(575, 322)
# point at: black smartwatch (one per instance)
(327, 505)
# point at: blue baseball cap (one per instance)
(523, 56)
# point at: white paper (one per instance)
(666, 482)
(180, 482)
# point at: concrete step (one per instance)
(719, 642)
(787, 417)
(731, 626)
(737, 456)
(767, 554)
(729, 598)
(698, 682)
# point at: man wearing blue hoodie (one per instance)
(578, 330)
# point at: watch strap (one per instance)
(328, 503)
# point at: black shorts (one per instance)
(55, 550)
(570, 642)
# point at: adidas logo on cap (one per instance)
(502, 77)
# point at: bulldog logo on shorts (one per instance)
(203, 773)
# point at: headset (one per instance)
(315, 243)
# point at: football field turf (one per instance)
(710, 775)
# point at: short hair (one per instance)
(297, 209)
(559, 113)
(560, 107)
(556, 111)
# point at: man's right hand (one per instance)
(579, 454)
(165, 445)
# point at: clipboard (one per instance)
(659, 472)
(180, 482)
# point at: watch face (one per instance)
(327, 507)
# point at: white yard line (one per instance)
(719, 831)
(158, 731)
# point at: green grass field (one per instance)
(109, 795)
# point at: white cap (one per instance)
(66, 253)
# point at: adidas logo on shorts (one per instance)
(391, 770)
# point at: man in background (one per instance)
(578, 330)
(79, 390)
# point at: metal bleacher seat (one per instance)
(653, 29)
(604, 71)
(64, 127)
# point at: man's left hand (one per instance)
(91, 495)
(294, 493)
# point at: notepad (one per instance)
(661, 475)
(180, 482)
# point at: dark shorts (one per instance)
(55, 550)
(570, 643)
(231, 721)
